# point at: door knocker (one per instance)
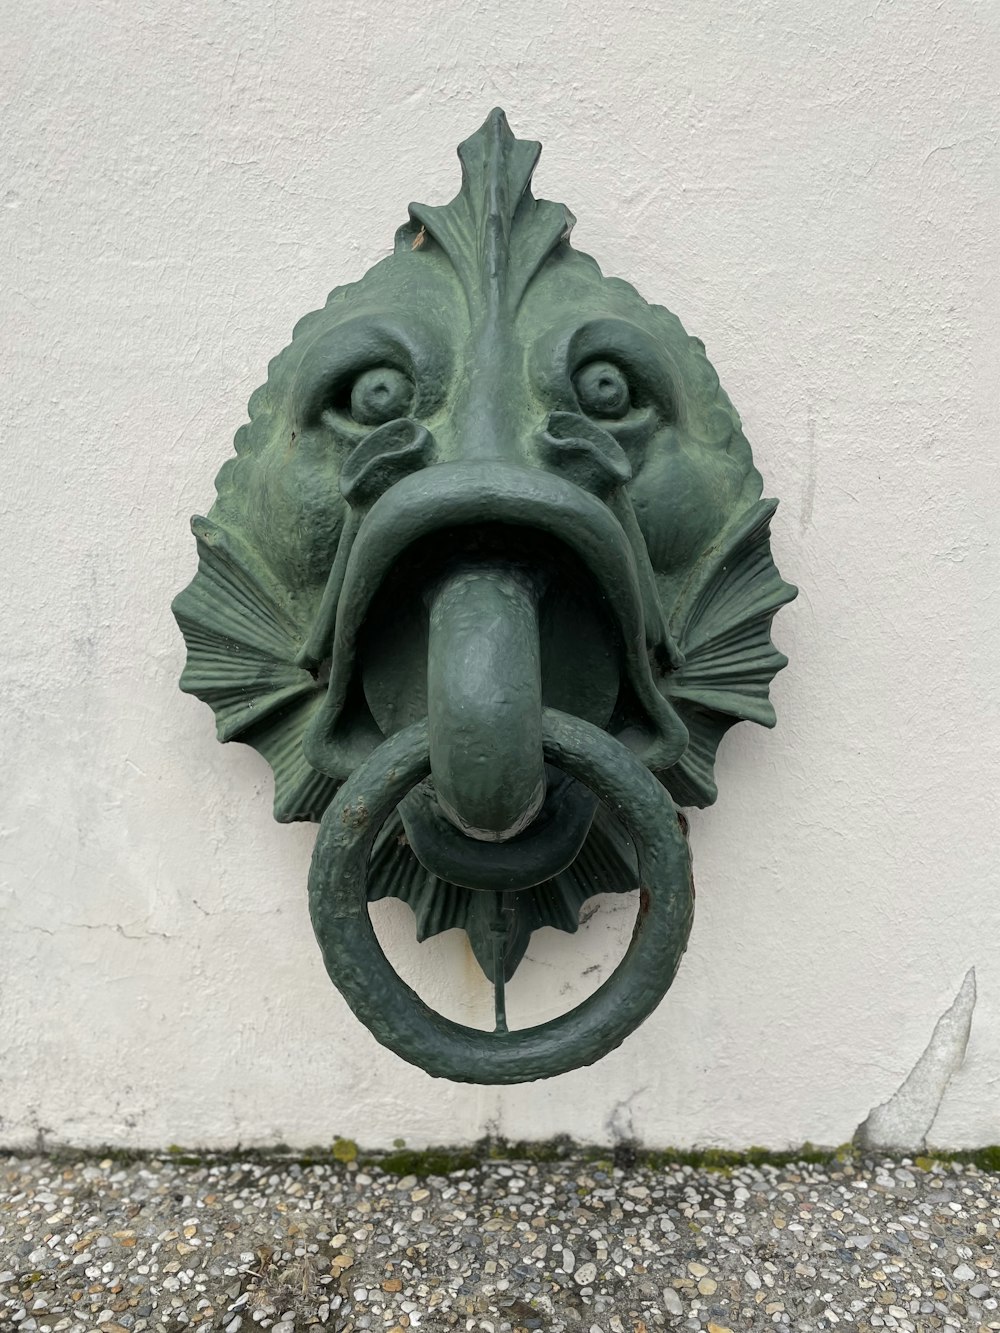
(486, 583)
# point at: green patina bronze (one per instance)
(492, 555)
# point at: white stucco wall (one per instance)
(813, 189)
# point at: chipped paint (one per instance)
(903, 1122)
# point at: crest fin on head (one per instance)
(495, 233)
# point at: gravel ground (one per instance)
(571, 1245)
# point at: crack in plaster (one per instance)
(82, 925)
(236, 911)
(903, 1122)
(620, 1123)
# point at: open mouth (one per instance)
(478, 628)
(476, 601)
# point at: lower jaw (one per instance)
(550, 843)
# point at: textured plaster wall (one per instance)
(813, 188)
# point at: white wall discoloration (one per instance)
(813, 190)
(903, 1122)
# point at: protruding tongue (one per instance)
(484, 700)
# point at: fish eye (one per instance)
(602, 390)
(381, 394)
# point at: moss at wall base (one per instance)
(439, 1161)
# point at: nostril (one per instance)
(383, 458)
(584, 453)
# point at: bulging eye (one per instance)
(602, 390)
(379, 395)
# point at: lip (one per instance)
(548, 846)
(448, 495)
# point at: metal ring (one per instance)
(396, 1015)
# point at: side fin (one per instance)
(722, 625)
(243, 636)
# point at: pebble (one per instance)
(672, 1303)
(157, 1245)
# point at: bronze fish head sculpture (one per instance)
(485, 486)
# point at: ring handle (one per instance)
(395, 1014)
